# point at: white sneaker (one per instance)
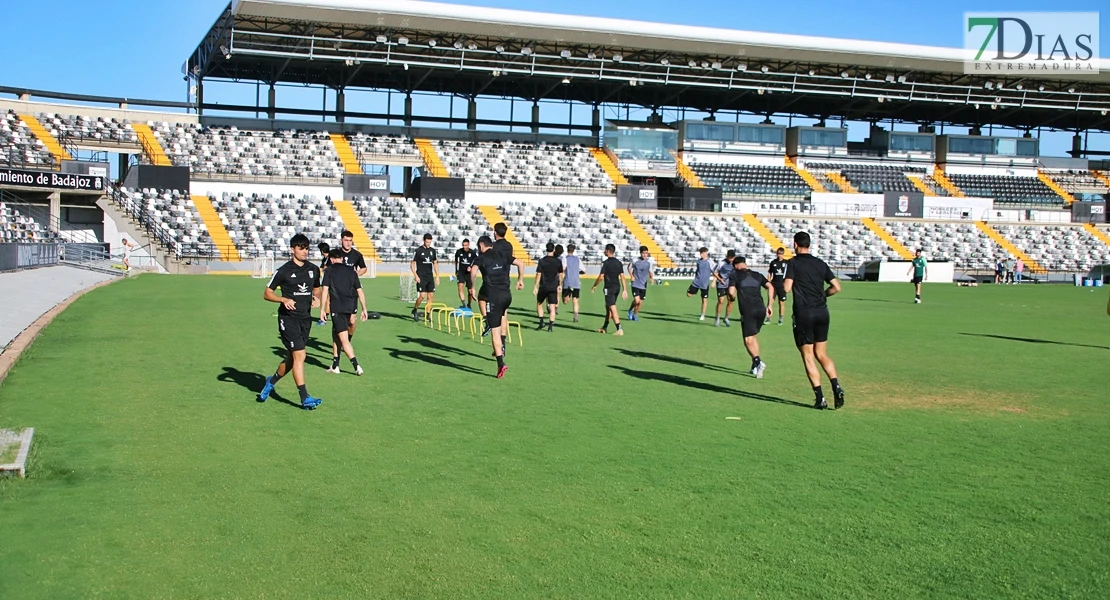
(358, 370)
(917, 300)
(701, 318)
(727, 322)
(760, 369)
(717, 323)
(331, 370)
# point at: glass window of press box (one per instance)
(728, 133)
(828, 138)
(644, 143)
(911, 143)
(990, 145)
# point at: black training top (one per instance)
(353, 258)
(495, 272)
(424, 257)
(296, 283)
(504, 248)
(749, 289)
(464, 259)
(343, 286)
(778, 270)
(810, 274)
(549, 269)
(612, 269)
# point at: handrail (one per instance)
(41, 214)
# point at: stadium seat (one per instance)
(231, 153)
(19, 146)
(532, 165)
(753, 180)
(1008, 189)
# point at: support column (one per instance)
(56, 209)
(271, 102)
(472, 114)
(124, 160)
(340, 106)
(535, 117)
(408, 110)
(595, 126)
(200, 96)
(408, 179)
(1076, 146)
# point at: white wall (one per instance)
(731, 159)
(496, 198)
(218, 188)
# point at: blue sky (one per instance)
(136, 48)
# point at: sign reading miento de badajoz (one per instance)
(51, 180)
(1031, 43)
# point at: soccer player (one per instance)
(920, 272)
(549, 279)
(425, 268)
(342, 289)
(612, 272)
(494, 268)
(325, 258)
(703, 272)
(464, 259)
(746, 287)
(806, 276)
(352, 257)
(640, 271)
(572, 278)
(720, 275)
(299, 281)
(777, 273)
(127, 248)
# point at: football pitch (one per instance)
(971, 460)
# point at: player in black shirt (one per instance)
(777, 274)
(612, 272)
(342, 289)
(464, 259)
(746, 288)
(425, 267)
(494, 268)
(351, 257)
(806, 276)
(549, 280)
(299, 281)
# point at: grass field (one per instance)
(971, 460)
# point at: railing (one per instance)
(237, 177)
(13, 157)
(40, 213)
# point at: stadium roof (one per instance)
(422, 46)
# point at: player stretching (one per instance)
(721, 275)
(300, 292)
(703, 272)
(777, 273)
(920, 270)
(549, 279)
(572, 278)
(641, 273)
(127, 248)
(494, 268)
(806, 276)
(612, 272)
(425, 268)
(464, 259)
(342, 289)
(746, 287)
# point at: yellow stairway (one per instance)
(885, 236)
(347, 156)
(1008, 246)
(432, 162)
(494, 216)
(353, 223)
(946, 183)
(686, 173)
(768, 236)
(806, 175)
(644, 238)
(216, 229)
(919, 184)
(1047, 180)
(46, 138)
(150, 145)
(844, 185)
(1103, 177)
(609, 166)
(1098, 233)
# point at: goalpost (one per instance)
(406, 291)
(263, 267)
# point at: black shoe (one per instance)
(414, 317)
(550, 327)
(540, 326)
(820, 404)
(838, 397)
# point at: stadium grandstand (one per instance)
(759, 147)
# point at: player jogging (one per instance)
(425, 268)
(549, 279)
(920, 270)
(746, 287)
(127, 248)
(612, 273)
(703, 272)
(721, 276)
(494, 267)
(572, 278)
(806, 276)
(640, 271)
(342, 289)
(464, 259)
(777, 273)
(300, 292)
(351, 257)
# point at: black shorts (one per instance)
(722, 292)
(751, 321)
(610, 298)
(811, 327)
(483, 292)
(496, 305)
(690, 291)
(294, 332)
(340, 322)
(639, 292)
(571, 293)
(463, 277)
(916, 279)
(550, 297)
(427, 284)
(780, 291)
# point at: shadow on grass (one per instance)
(1035, 340)
(434, 345)
(691, 320)
(253, 382)
(879, 300)
(309, 360)
(676, 360)
(431, 359)
(708, 387)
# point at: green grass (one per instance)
(964, 465)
